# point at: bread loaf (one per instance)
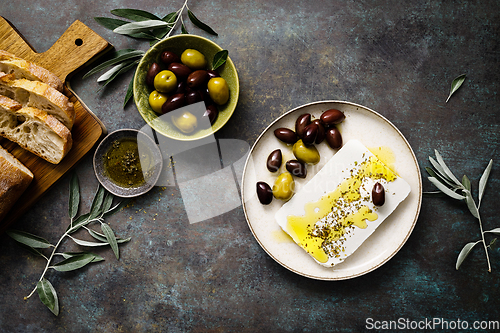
(14, 179)
(39, 95)
(34, 130)
(22, 69)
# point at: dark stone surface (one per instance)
(397, 58)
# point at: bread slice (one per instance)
(14, 179)
(23, 69)
(34, 130)
(38, 95)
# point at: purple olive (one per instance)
(168, 57)
(321, 131)
(378, 194)
(264, 193)
(332, 117)
(194, 96)
(274, 160)
(301, 123)
(211, 112)
(286, 135)
(181, 71)
(173, 102)
(181, 87)
(296, 168)
(310, 133)
(333, 137)
(212, 73)
(197, 79)
(150, 76)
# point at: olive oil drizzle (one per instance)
(324, 227)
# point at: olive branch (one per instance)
(446, 182)
(143, 25)
(102, 207)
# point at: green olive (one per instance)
(284, 186)
(193, 59)
(305, 154)
(156, 100)
(165, 81)
(185, 121)
(218, 90)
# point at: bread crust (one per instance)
(65, 111)
(14, 180)
(27, 70)
(35, 115)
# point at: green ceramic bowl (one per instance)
(178, 44)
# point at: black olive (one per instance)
(274, 161)
(264, 193)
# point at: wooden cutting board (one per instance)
(76, 47)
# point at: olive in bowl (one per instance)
(178, 44)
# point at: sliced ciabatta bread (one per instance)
(14, 179)
(38, 95)
(23, 69)
(34, 130)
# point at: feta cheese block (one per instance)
(333, 214)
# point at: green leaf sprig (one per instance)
(143, 25)
(455, 84)
(102, 206)
(446, 182)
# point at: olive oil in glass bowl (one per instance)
(128, 163)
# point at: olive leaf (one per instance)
(484, 179)
(466, 182)
(81, 221)
(74, 196)
(102, 237)
(142, 26)
(110, 236)
(107, 202)
(445, 181)
(200, 24)
(67, 255)
(130, 92)
(183, 29)
(445, 189)
(162, 32)
(457, 82)
(102, 204)
(32, 250)
(134, 14)
(118, 57)
(48, 295)
(439, 177)
(122, 69)
(445, 168)
(464, 253)
(219, 59)
(95, 208)
(110, 23)
(495, 231)
(471, 205)
(74, 262)
(29, 239)
(89, 243)
(116, 208)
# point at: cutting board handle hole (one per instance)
(78, 42)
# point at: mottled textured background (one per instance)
(396, 57)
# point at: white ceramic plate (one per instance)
(374, 131)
